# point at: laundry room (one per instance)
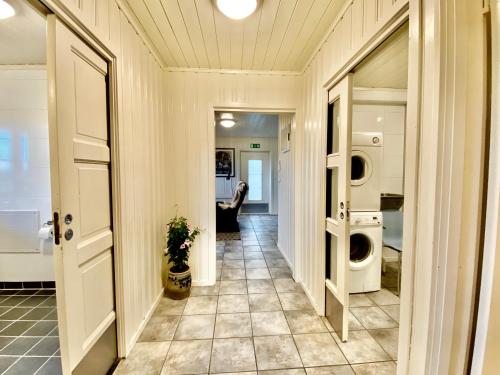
(367, 110)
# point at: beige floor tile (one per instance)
(160, 328)
(260, 286)
(234, 263)
(330, 370)
(383, 297)
(255, 263)
(233, 287)
(304, 322)
(233, 256)
(361, 347)
(388, 340)
(233, 325)
(276, 263)
(360, 300)
(287, 286)
(294, 301)
(264, 302)
(373, 317)
(392, 311)
(169, 306)
(233, 273)
(252, 248)
(212, 290)
(258, 273)
(193, 327)
(233, 304)
(233, 355)
(188, 357)
(201, 305)
(280, 272)
(296, 371)
(253, 255)
(319, 349)
(380, 368)
(269, 323)
(146, 358)
(276, 352)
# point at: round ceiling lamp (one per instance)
(227, 123)
(6, 10)
(237, 9)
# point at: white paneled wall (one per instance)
(190, 99)
(360, 22)
(286, 232)
(144, 176)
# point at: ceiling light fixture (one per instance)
(6, 10)
(227, 123)
(237, 9)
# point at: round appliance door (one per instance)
(361, 167)
(362, 249)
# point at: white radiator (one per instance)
(19, 231)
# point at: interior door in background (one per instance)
(338, 186)
(256, 172)
(81, 196)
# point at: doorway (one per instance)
(256, 169)
(365, 202)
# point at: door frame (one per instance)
(270, 199)
(247, 107)
(53, 7)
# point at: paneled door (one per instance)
(256, 172)
(338, 182)
(81, 196)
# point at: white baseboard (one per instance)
(284, 256)
(202, 283)
(143, 324)
(310, 298)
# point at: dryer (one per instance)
(365, 252)
(366, 171)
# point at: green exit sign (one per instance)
(254, 145)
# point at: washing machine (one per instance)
(365, 252)
(366, 171)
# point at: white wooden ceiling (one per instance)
(23, 37)
(249, 124)
(281, 35)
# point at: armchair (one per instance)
(227, 213)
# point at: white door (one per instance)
(80, 174)
(256, 172)
(338, 184)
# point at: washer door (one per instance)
(361, 167)
(361, 250)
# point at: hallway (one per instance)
(256, 318)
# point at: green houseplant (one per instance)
(179, 237)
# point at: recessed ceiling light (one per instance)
(237, 9)
(6, 10)
(227, 123)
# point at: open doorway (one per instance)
(29, 332)
(364, 203)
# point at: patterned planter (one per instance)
(178, 284)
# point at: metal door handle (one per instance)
(57, 228)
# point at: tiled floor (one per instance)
(29, 338)
(256, 319)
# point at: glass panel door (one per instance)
(256, 172)
(338, 178)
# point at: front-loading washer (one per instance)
(366, 171)
(365, 251)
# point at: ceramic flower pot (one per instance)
(178, 284)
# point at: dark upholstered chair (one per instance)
(227, 213)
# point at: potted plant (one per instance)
(180, 236)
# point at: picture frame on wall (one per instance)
(224, 162)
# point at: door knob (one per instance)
(68, 235)
(68, 219)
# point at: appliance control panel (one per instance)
(366, 219)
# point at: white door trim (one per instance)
(115, 140)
